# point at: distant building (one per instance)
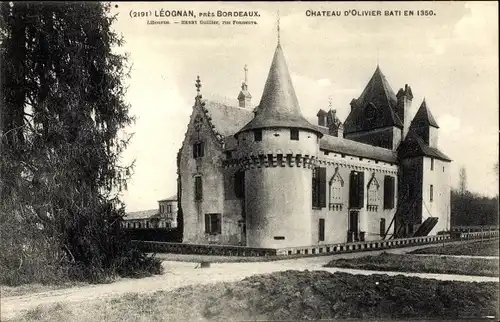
(267, 177)
(165, 216)
(168, 211)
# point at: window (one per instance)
(229, 155)
(294, 134)
(432, 164)
(239, 184)
(198, 188)
(319, 187)
(321, 232)
(257, 135)
(356, 190)
(212, 224)
(279, 237)
(382, 227)
(336, 184)
(431, 193)
(389, 192)
(373, 192)
(198, 150)
(443, 169)
(169, 209)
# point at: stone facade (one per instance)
(266, 177)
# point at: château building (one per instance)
(268, 177)
(165, 216)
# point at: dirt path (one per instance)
(179, 274)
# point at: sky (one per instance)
(450, 58)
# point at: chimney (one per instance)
(405, 97)
(322, 120)
(353, 104)
(340, 131)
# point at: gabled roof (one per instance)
(226, 119)
(414, 146)
(349, 147)
(143, 214)
(279, 106)
(379, 96)
(424, 116)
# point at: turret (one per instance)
(278, 150)
(425, 125)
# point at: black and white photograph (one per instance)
(249, 161)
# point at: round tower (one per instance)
(277, 150)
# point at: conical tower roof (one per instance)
(279, 106)
(424, 116)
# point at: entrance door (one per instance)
(352, 233)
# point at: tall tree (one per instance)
(63, 120)
(462, 181)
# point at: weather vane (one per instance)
(278, 26)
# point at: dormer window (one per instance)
(294, 134)
(198, 150)
(257, 134)
(370, 111)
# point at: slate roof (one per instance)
(279, 106)
(414, 146)
(379, 96)
(424, 116)
(349, 147)
(227, 119)
(143, 214)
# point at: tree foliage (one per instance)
(62, 130)
(469, 209)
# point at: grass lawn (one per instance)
(290, 295)
(476, 248)
(421, 264)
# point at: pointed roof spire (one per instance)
(377, 93)
(424, 116)
(279, 106)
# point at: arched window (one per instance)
(373, 194)
(336, 191)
